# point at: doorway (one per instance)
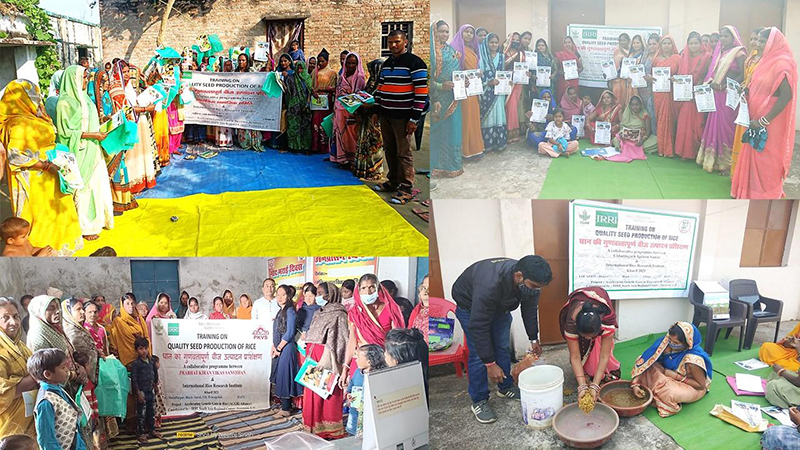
(551, 242)
(481, 14)
(747, 15)
(565, 12)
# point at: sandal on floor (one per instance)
(384, 187)
(402, 197)
(424, 215)
(426, 203)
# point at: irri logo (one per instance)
(606, 219)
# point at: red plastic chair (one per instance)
(457, 353)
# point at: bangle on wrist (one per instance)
(493, 363)
(780, 372)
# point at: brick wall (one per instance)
(130, 27)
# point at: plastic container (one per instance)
(542, 389)
(298, 440)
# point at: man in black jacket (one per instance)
(486, 293)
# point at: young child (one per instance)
(144, 379)
(370, 357)
(18, 442)
(161, 402)
(557, 134)
(14, 232)
(587, 106)
(56, 415)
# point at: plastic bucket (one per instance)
(542, 395)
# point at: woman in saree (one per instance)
(783, 387)
(345, 126)
(52, 94)
(117, 163)
(194, 313)
(245, 309)
(218, 312)
(368, 164)
(14, 378)
(646, 93)
(420, 314)
(446, 159)
(107, 310)
(145, 159)
(571, 105)
(493, 107)
(667, 56)
(516, 102)
(636, 119)
(278, 139)
(183, 305)
(248, 139)
(676, 369)
(79, 129)
(569, 52)
(466, 45)
(621, 87)
(481, 34)
(772, 99)
(749, 66)
(784, 353)
(27, 133)
(46, 331)
(716, 145)
(175, 117)
(101, 97)
(326, 343)
(96, 330)
(161, 310)
(228, 305)
(372, 316)
(588, 323)
(324, 81)
(694, 61)
(544, 58)
(298, 113)
(126, 328)
(608, 109)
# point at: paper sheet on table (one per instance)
(750, 383)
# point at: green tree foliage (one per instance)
(47, 61)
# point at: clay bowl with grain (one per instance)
(580, 430)
(619, 396)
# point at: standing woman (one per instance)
(481, 34)
(144, 160)
(117, 163)
(621, 86)
(46, 331)
(285, 364)
(248, 139)
(493, 107)
(324, 85)
(667, 56)
(546, 59)
(716, 145)
(326, 343)
(284, 68)
(245, 308)
(14, 378)
(95, 329)
(101, 97)
(79, 129)
(588, 323)
(446, 159)
(125, 328)
(515, 102)
(608, 109)
(183, 306)
(298, 113)
(464, 42)
(229, 306)
(160, 310)
(646, 93)
(694, 61)
(749, 67)
(369, 148)
(345, 126)
(27, 132)
(772, 99)
(569, 52)
(219, 310)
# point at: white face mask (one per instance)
(320, 301)
(369, 298)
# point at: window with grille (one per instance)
(388, 27)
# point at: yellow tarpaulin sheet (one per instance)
(328, 221)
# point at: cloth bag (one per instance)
(113, 385)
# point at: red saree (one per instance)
(323, 417)
(665, 108)
(690, 122)
(561, 83)
(601, 114)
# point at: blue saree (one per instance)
(446, 159)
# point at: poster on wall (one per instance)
(213, 365)
(287, 270)
(338, 269)
(232, 100)
(631, 252)
(596, 44)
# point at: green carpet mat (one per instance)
(582, 177)
(693, 427)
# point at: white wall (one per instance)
(529, 15)
(443, 10)
(25, 58)
(792, 26)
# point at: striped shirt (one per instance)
(402, 87)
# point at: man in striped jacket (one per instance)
(399, 101)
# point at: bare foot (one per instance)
(283, 413)
(91, 237)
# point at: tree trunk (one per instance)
(164, 19)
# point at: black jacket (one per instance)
(144, 376)
(487, 289)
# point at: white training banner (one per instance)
(596, 44)
(232, 100)
(631, 252)
(213, 365)
(395, 408)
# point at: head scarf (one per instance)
(489, 65)
(632, 120)
(155, 313)
(199, 315)
(777, 63)
(181, 312)
(124, 331)
(484, 54)
(507, 50)
(329, 327)
(374, 68)
(42, 334)
(457, 42)
(55, 83)
(21, 109)
(566, 54)
(543, 59)
(693, 65)
(353, 83)
(571, 108)
(98, 91)
(659, 55)
(676, 361)
(105, 313)
(299, 82)
(367, 327)
(597, 296)
(721, 60)
(620, 52)
(552, 106)
(242, 312)
(77, 116)
(614, 101)
(80, 338)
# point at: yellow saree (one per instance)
(776, 353)
(27, 132)
(14, 356)
(124, 331)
